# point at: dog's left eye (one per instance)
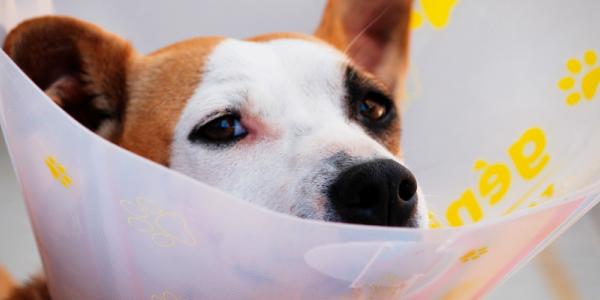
(221, 130)
(372, 109)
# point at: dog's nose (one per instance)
(379, 192)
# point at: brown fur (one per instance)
(6, 283)
(159, 86)
(33, 289)
(135, 101)
(91, 62)
(93, 70)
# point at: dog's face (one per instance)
(303, 125)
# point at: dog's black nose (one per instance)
(379, 192)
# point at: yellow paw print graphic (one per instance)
(58, 171)
(589, 73)
(166, 228)
(166, 295)
(436, 12)
(473, 254)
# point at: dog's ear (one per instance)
(80, 66)
(374, 33)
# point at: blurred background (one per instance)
(568, 269)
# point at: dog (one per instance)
(307, 125)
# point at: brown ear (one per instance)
(374, 33)
(7, 283)
(80, 66)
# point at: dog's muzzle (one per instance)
(379, 192)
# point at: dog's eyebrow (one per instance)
(358, 83)
(356, 80)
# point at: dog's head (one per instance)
(305, 125)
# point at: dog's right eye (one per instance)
(223, 130)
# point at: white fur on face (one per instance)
(290, 95)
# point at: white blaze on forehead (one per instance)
(295, 90)
(276, 74)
